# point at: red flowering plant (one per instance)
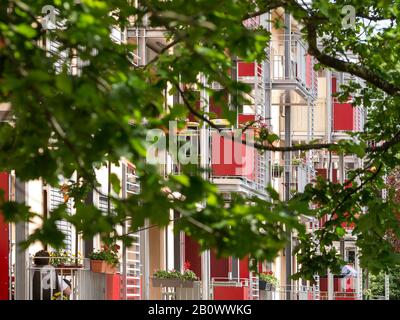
(108, 253)
(187, 273)
(269, 277)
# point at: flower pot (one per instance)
(264, 285)
(176, 283)
(100, 266)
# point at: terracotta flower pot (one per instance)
(100, 266)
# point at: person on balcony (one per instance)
(47, 284)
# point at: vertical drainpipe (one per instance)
(328, 75)
(341, 180)
(233, 105)
(21, 255)
(287, 155)
(125, 231)
(204, 158)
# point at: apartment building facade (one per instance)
(290, 98)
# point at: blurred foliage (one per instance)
(377, 284)
(63, 123)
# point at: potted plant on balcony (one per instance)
(105, 260)
(175, 278)
(267, 281)
(277, 170)
(65, 261)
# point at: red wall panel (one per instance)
(219, 267)
(192, 255)
(244, 268)
(246, 69)
(4, 243)
(334, 85)
(343, 117)
(323, 173)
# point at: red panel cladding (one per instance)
(192, 255)
(231, 293)
(309, 71)
(343, 117)
(323, 173)
(4, 243)
(113, 282)
(231, 158)
(246, 69)
(246, 118)
(323, 284)
(219, 267)
(244, 268)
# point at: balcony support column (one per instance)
(205, 164)
(287, 155)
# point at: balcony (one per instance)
(300, 76)
(234, 166)
(237, 167)
(300, 174)
(84, 284)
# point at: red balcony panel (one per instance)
(309, 71)
(323, 284)
(232, 158)
(231, 293)
(246, 118)
(4, 243)
(113, 286)
(246, 69)
(343, 117)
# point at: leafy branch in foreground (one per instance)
(62, 123)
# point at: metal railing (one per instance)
(47, 281)
(82, 282)
(229, 282)
(177, 292)
(288, 293)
